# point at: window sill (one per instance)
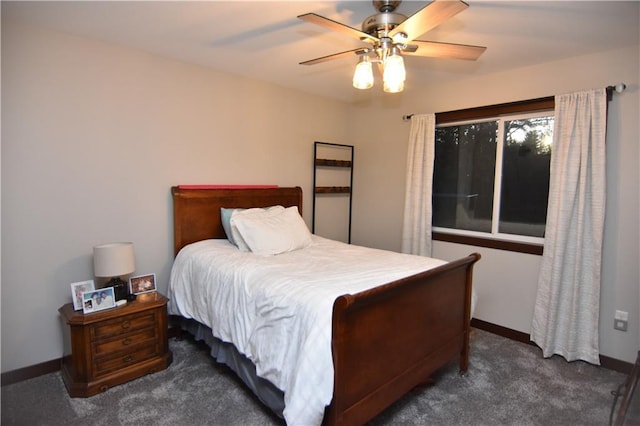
(518, 247)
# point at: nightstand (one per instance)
(112, 347)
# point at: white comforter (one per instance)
(277, 310)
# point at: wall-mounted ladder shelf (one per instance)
(337, 157)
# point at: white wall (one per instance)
(94, 135)
(505, 281)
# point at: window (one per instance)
(491, 175)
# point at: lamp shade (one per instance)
(113, 260)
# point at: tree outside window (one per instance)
(491, 176)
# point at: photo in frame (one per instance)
(98, 300)
(76, 292)
(142, 284)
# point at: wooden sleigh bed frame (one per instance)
(385, 341)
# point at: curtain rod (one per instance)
(618, 88)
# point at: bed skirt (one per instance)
(227, 354)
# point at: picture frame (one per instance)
(76, 292)
(142, 284)
(98, 300)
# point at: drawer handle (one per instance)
(126, 341)
(126, 324)
(104, 388)
(127, 358)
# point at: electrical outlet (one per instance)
(620, 325)
(620, 320)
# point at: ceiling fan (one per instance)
(392, 35)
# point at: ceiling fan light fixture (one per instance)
(363, 75)
(394, 72)
(388, 34)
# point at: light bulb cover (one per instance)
(363, 74)
(394, 72)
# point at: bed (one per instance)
(382, 341)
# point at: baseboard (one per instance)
(616, 364)
(52, 366)
(518, 336)
(30, 372)
(605, 361)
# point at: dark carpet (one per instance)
(508, 383)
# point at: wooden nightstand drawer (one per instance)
(124, 324)
(109, 364)
(125, 341)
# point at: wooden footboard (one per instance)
(392, 338)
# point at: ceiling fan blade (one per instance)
(427, 18)
(337, 26)
(444, 50)
(358, 51)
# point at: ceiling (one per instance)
(264, 39)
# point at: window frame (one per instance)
(519, 244)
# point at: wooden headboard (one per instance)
(196, 212)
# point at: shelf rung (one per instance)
(333, 189)
(332, 163)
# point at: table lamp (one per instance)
(114, 260)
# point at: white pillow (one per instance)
(234, 235)
(272, 234)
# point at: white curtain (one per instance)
(566, 312)
(416, 228)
